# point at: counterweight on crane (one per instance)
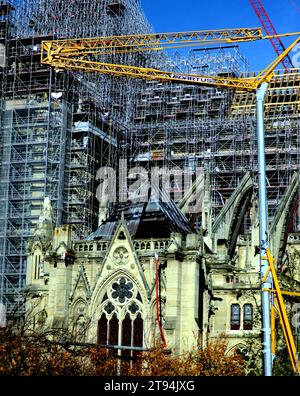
(74, 54)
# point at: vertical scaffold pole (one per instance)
(263, 230)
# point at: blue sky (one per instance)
(186, 15)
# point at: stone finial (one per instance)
(45, 224)
(122, 217)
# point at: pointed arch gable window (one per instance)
(102, 330)
(235, 317)
(113, 330)
(37, 266)
(138, 331)
(248, 317)
(126, 334)
(121, 321)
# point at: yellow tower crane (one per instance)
(79, 54)
(75, 54)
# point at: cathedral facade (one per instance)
(147, 274)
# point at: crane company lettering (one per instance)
(192, 78)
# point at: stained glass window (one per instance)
(114, 330)
(235, 321)
(133, 308)
(248, 317)
(122, 290)
(109, 307)
(102, 330)
(126, 334)
(121, 321)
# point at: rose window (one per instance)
(122, 290)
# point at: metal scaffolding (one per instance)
(188, 126)
(57, 129)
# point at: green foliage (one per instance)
(252, 355)
(282, 365)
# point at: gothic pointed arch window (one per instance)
(248, 317)
(102, 330)
(121, 316)
(235, 320)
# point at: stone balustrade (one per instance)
(97, 247)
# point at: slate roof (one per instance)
(152, 219)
